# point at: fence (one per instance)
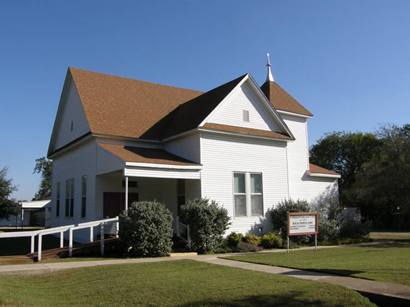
(61, 230)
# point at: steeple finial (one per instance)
(269, 76)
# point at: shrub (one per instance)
(279, 214)
(248, 247)
(328, 230)
(207, 221)
(146, 230)
(252, 239)
(233, 239)
(354, 229)
(271, 240)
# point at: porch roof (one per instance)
(131, 154)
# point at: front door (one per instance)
(114, 202)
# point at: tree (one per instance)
(382, 185)
(7, 205)
(44, 167)
(345, 153)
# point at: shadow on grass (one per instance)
(293, 298)
(21, 246)
(318, 272)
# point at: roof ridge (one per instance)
(71, 68)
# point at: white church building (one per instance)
(117, 140)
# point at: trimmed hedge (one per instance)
(147, 230)
(271, 240)
(207, 221)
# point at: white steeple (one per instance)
(269, 76)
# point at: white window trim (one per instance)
(239, 194)
(251, 194)
(248, 194)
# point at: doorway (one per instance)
(114, 203)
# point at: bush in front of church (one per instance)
(207, 223)
(146, 230)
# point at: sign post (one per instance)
(303, 224)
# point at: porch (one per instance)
(144, 174)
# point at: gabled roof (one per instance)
(121, 107)
(124, 107)
(189, 115)
(281, 100)
(145, 155)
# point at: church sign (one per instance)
(303, 224)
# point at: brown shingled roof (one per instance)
(145, 155)
(316, 169)
(246, 131)
(189, 115)
(281, 100)
(124, 107)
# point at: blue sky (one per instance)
(347, 61)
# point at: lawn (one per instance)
(384, 235)
(182, 283)
(387, 262)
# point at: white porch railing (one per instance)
(182, 231)
(61, 230)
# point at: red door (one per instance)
(114, 203)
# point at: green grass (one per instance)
(390, 235)
(388, 262)
(176, 283)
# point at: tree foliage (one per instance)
(146, 229)
(207, 221)
(44, 167)
(382, 185)
(344, 153)
(7, 205)
(375, 170)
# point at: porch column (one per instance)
(126, 193)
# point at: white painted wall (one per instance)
(314, 187)
(230, 111)
(77, 162)
(72, 111)
(222, 155)
(187, 147)
(298, 155)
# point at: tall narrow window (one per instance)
(256, 194)
(239, 194)
(248, 194)
(58, 199)
(83, 196)
(69, 198)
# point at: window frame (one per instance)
(248, 194)
(69, 198)
(239, 194)
(257, 194)
(84, 188)
(58, 198)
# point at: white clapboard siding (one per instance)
(72, 116)
(186, 147)
(298, 156)
(244, 97)
(222, 155)
(79, 161)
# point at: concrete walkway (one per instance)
(358, 284)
